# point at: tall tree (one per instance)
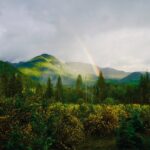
(3, 84)
(13, 86)
(49, 89)
(39, 90)
(11, 89)
(79, 87)
(100, 88)
(144, 87)
(59, 90)
(18, 85)
(79, 83)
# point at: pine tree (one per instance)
(79, 83)
(39, 90)
(1, 92)
(59, 89)
(14, 87)
(18, 85)
(4, 84)
(100, 88)
(49, 89)
(11, 89)
(79, 87)
(144, 88)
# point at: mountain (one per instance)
(84, 69)
(7, 68)
(132, 78)
(43, 66)
(110, 73)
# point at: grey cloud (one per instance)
(115, 32)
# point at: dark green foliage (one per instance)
(144, 88)
(42, 138)
(79, 88)
(100, 88)
(15, 140)
(79, 83)
(19, 85)
(7, 69)
(137, 122)
(11, 85)
(3, 84)
(59, 90)
(128, 135)
(131, 94)
(49, 89)
(39, 91)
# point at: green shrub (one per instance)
(102, 124)
(128, 137)
(41, 138)
(84, 111)
(145, 115)
(110, 101)
(15, 140)
(67, 130)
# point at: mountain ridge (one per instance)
(43, 66)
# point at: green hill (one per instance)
(7, 68)
(41, 67)
(132, 78)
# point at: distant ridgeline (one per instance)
(41, 67)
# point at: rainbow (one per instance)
(89, 56)
(86, 50)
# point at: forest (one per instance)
(74, 74)
(105, 115)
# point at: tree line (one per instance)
(100, 92)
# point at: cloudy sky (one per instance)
(116, 33)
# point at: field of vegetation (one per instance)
(26, 125)
(46, 117)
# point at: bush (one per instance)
(15, 140)
(102, 124)
(145, 115)
(85, 110)
(67, 130)
(128, 137)
(110, 101)
(41, 138)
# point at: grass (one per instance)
(107, 143)
(93, 143)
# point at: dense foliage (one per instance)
(49, 117)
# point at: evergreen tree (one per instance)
(14, 87)
(4, 84)
(144, 87)
(59, 89)
(79, 83)
(49, 89)
(11, 89)
(39, 90)
(1, 93)
(100, 88)
(18, 85)
(79, 88)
